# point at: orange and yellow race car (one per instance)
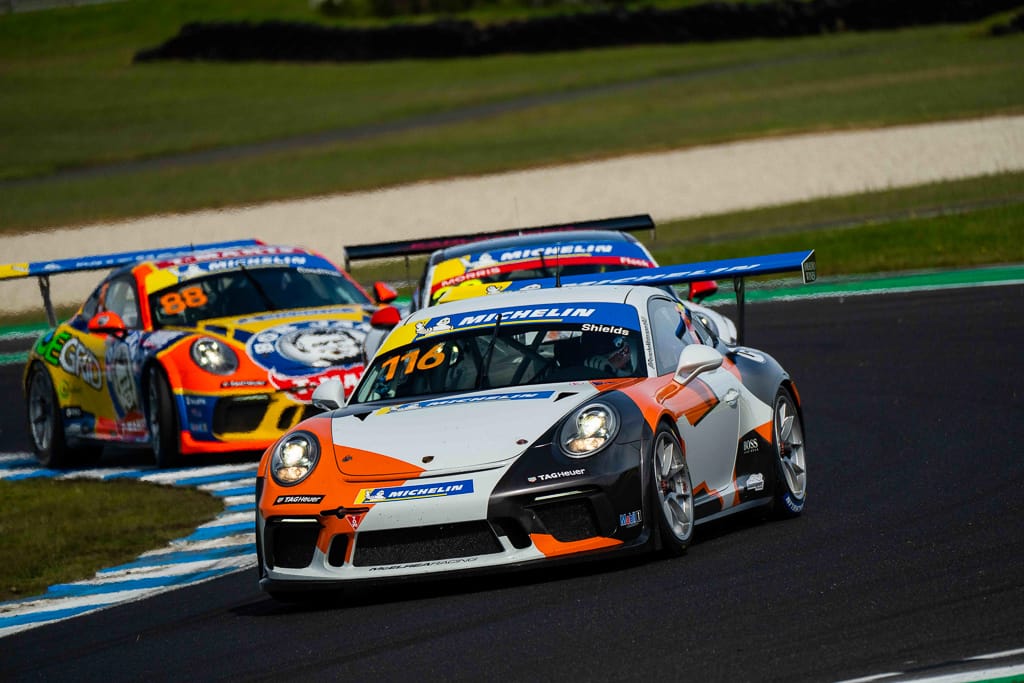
(582, 416)
(199, 349)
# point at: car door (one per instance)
(115, 402)
(707, 409)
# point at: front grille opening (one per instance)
(291, 544)
(568, 520)
(336, 555)
(425, 544)
(513, 531)
(242, 414)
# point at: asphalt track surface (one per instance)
(908, 557)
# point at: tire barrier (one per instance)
(712, 21)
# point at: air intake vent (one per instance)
(242, 414)
(291, 544)
(425, 544)
(568, 520)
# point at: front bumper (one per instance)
(234, 422)
(513, 520)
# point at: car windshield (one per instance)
(509, 355)
(482, 269)
(250, 290)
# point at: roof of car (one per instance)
(520, 241)
(249, 256)
(531, 298)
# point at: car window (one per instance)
(250, 290)
(488, 357)
(670, 333)
(120, 298)
(534, 261)
(703, 327)
(92, 304)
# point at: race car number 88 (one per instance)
(174, 303)
(412, 359)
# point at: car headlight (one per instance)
(214, 356)
(294, 458)
(588, 430)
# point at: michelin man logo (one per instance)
(190, 271)
(484, 260)
(315, 344)
(442, 325)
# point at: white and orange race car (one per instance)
(560, 422)
(195, 349)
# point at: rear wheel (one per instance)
(672, 493)
(791, 464)
(162, 417)
(46, 425)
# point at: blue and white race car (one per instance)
(458, 265)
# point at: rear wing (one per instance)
(44, 269)
(362, 252)
(738, 269)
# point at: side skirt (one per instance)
(736, 508)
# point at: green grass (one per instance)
(977, 238)
(58, 531)
(73, 100)
(979, 221)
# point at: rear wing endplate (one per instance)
(738, 269)
(44, 269)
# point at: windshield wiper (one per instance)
(264, 297)
(486, 363)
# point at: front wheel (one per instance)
(46, 425)
(791, 463)
(672, 493)
(162, 417)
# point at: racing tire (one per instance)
(162, 419)
(672, 506)
(46, 425)
(791, 465)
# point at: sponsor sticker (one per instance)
(306, 499)
(629, 519)
(389, 494)
(488, 398)
(76, 359)
(551, 476)
(313, 344)
(431, 563)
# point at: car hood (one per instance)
(297, 342)
(452, 433)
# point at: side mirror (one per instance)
(108, 322)
(702, 290)
(385, 318)
(695, 359)
(383, 293)
(329, 394)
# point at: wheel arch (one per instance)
(173, 379)
(789, 385)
